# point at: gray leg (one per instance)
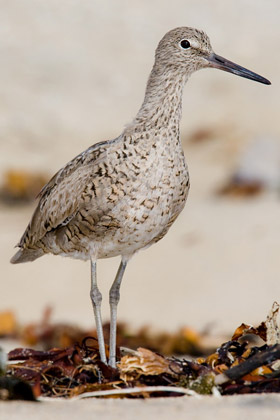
(96, 299)
(114, 297)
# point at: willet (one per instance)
(122, 195)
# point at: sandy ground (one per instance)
(230, 408)
(73, 74)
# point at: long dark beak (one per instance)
(222, 63)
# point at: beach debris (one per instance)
(8, 324)
(258, 169)
(203, 134)
(12, 388)
(238, 366)
(236, 187)
(21, 186)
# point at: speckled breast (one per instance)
(144, 215)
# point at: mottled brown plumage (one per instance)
(123, 195)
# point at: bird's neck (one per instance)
(162, 105)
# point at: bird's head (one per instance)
(188, 50)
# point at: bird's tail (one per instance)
(25, 255)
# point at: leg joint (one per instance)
(114, 295)
(96, 296)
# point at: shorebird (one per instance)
(122, 195)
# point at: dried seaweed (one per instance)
(76, 371)
(21, 186)
(241, 188)
(12, 388)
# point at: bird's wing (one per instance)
(61, 197)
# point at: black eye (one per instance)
(185, 44)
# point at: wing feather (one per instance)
(61, 198)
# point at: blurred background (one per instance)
(73, 73)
